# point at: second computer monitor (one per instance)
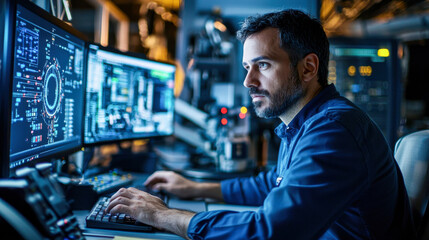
(127, 97)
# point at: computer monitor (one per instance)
(47, 91)
(127, 97)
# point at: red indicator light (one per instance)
(224, 121)
(242, 115)
(224, 110)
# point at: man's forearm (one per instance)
(174, 220)
(177, 221)
(209, 190)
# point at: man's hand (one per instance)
(138, 204)
(150, 210)
(174, 183)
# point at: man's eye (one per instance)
(263, 65)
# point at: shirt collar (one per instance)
(308, 110)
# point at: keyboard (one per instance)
(97, 218)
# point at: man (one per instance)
(336, 177)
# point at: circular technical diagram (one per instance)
(52, 91)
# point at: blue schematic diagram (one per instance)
(27, 48)
(47, 87)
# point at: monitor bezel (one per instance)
(130, 54)
(13, 6)
(8, 13)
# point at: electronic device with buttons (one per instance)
(109, 182)
(38, 201)
(86, 192)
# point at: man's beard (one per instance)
(280, 100)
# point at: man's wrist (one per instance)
(209, 190)
(173, 220)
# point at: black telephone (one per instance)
(37, 201)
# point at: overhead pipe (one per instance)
(397, 26)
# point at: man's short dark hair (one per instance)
(299, 35)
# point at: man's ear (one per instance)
(310, 67)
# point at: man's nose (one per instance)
(251, 79)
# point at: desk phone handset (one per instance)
(38, 205)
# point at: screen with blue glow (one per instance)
(127, 97)
(47, 85)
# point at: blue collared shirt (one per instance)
(336, 178)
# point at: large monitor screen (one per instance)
(47, 88)
(127, 97)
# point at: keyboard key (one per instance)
(93, 216)
(121, 218)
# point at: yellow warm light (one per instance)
(152, 5)
(365, 71)
(180, 79)
(219, 26)
(160, 10)
(351, 70)
(383, 52)
(167, 16)
(243, 110)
